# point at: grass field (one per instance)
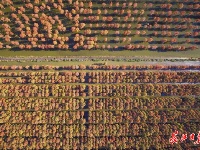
(68, 63)
(101, 53)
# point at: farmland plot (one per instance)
(130, 108)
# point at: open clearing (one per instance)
(188, 54)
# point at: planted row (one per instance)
(42, 104)
(144, 103)
(41, 117)
(103, 66)
(144, 116)
(45, 90)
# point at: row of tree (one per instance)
(11, 90)
(143, 90)
(43, 117)
(143, 77)
(91, 67)
(148, 140)
(143, 116)
(143, 103)
(42, 104)
(94, 104)
(100, 77)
